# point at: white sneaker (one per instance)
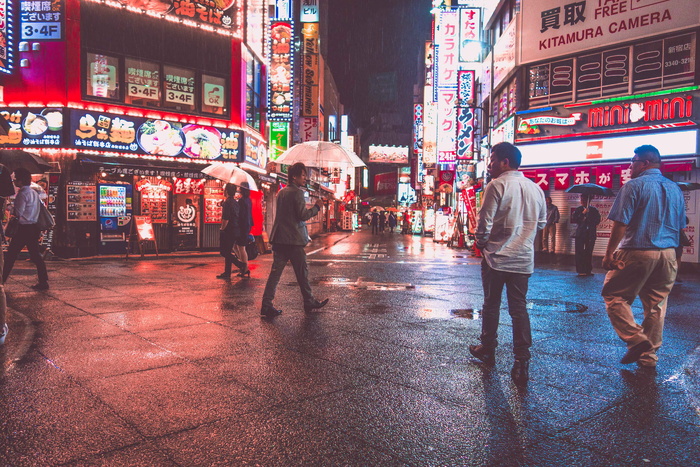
(5, 330)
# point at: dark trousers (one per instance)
(375, 228)
(281, 254)
(516, 289)
(28, 235)
(226, 242)
(584, 252)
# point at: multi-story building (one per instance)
(128, 101)
(579, 84)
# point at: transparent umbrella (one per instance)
(230, 173)
(322, 154)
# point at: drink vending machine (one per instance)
(115, 203)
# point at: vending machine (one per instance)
(115, 218)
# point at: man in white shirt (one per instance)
(513, 210)
(26, 209)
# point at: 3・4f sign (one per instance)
(41, 20)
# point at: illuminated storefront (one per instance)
(129, 105)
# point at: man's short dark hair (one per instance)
(296, 169)
(230, 189)
(647, 152)
(23, 175)
(504, 151)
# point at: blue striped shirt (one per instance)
(653, 209)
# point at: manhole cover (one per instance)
(467, 313)
(556, 305)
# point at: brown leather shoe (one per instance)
(636, 351)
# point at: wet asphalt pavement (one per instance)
(157, 362)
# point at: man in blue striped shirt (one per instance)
(648, 215)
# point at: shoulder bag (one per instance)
(45, 220)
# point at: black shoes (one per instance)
(315, 305)
(636, 351)
(269, 312)
(41, 286)
(483, 354)
(224, 275)
(520, 372)
(244, 273)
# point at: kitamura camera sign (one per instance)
(552, 28)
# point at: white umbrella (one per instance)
(230, 173)
(322, 154)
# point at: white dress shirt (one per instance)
(513, 209)
(27, 205)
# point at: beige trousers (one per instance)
(550, 231)
(649, 274)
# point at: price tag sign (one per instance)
(41, 20)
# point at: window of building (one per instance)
(253, 87)
(214, 96)
(102, 78)
(142, 82)
(179, 93)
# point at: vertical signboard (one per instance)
(418, 143)
(465, 114)
(308, 129)
(447, 126)
(281, 78)
(310, 79)
(6, 36)
(430, 134)
(279, 139)
(309, 11)
(255, 25)
(469, 34)
(447, 50)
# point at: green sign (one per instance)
(279, 139)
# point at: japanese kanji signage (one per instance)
(308, 128)
(582, 175)
(33, 127)
(603, 176)
(447, 48)
(466, 118)
(309, 11)
(101, 131)
(470, 45)
(179, 89)
(562, 179)
(41, 20)
(430, 134)
(279, 139)
(447, 126)
(281, 71)
(552, 28)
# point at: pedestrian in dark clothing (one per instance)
(374, 222)
(406, 224)
(392, 222)
(513, 210)
(26, 209)
(382, 221)
(549, 234)
(245, 223)
(648, 215)
(587, 217)
(229, 231)
(289, 237)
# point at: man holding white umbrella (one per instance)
(289, 237)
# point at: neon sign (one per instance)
(281, 71)
(649, 111)
(7, 36)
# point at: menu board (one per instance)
(213, 199)
(154, 203)
(33, 127)
(144, 228)
(81, 200)
(137, 135)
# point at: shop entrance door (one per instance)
(186, 221)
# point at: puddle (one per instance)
(556, 306)
(467, 313)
